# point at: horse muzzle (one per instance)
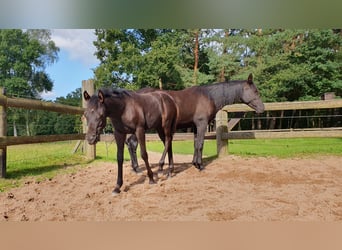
(93, 138)
(258, 106)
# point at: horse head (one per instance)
(95, 114)
(250, 95)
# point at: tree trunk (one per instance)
(281, 119)
(222, 77)
(15, 132)
(27, 123)
(196, 51)
(160, 83)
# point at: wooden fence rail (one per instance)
(222, 116)
(5, 140)
(39, 105)
(276, 106)
(222, 135)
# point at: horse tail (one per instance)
(176, 113)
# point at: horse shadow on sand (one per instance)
(162, 177)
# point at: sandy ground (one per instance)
(229, 189)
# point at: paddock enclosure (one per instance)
(230, 188)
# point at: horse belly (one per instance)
(152, 121)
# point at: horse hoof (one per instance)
(116, 192)
(160, 173)
(152, 182)
(197, 166)
(137, 171)
(201, 168)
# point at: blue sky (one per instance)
(75, 63)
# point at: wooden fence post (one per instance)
(89, 150)
(221, 129)
(3, 133)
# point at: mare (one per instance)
(199, 104)
(132, 113)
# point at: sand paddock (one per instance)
(232, 188)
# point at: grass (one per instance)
(261, 147)
(46, 160)
(40, 161)
(287, 148)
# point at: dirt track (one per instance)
(232, 188)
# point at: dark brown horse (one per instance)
(132, 113)
(199, 104)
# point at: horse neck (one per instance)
(114, 106)
(225, 93)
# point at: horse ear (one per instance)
(101, 96)
(86, 95)
(250, 78)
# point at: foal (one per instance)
(132, 113)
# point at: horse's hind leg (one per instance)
(166, 137)
(140, 133)
(162, 158)
(132, 144)
(170, 155)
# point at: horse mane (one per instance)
(221, 93)
(117, 92)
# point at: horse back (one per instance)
(193, 104)
(155, 109)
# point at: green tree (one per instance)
(288, 64)
(171, 59)
(298, 64)
(69, 124)
(23, 58)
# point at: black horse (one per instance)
(199, 104)
(132, 113)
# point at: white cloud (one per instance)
(78, 43)
(48, 95)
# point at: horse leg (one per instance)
(194, 159)
(120, 142)
(201, 128)
(132, 144)
(167, 140)
(140, 133)
(170, 155)
(162, 159)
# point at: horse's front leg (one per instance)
(201, 128)
(140, 133)
(194, 159)
(120, 142)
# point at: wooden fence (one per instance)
(223, 127)
(37, 105)
(222, 135)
